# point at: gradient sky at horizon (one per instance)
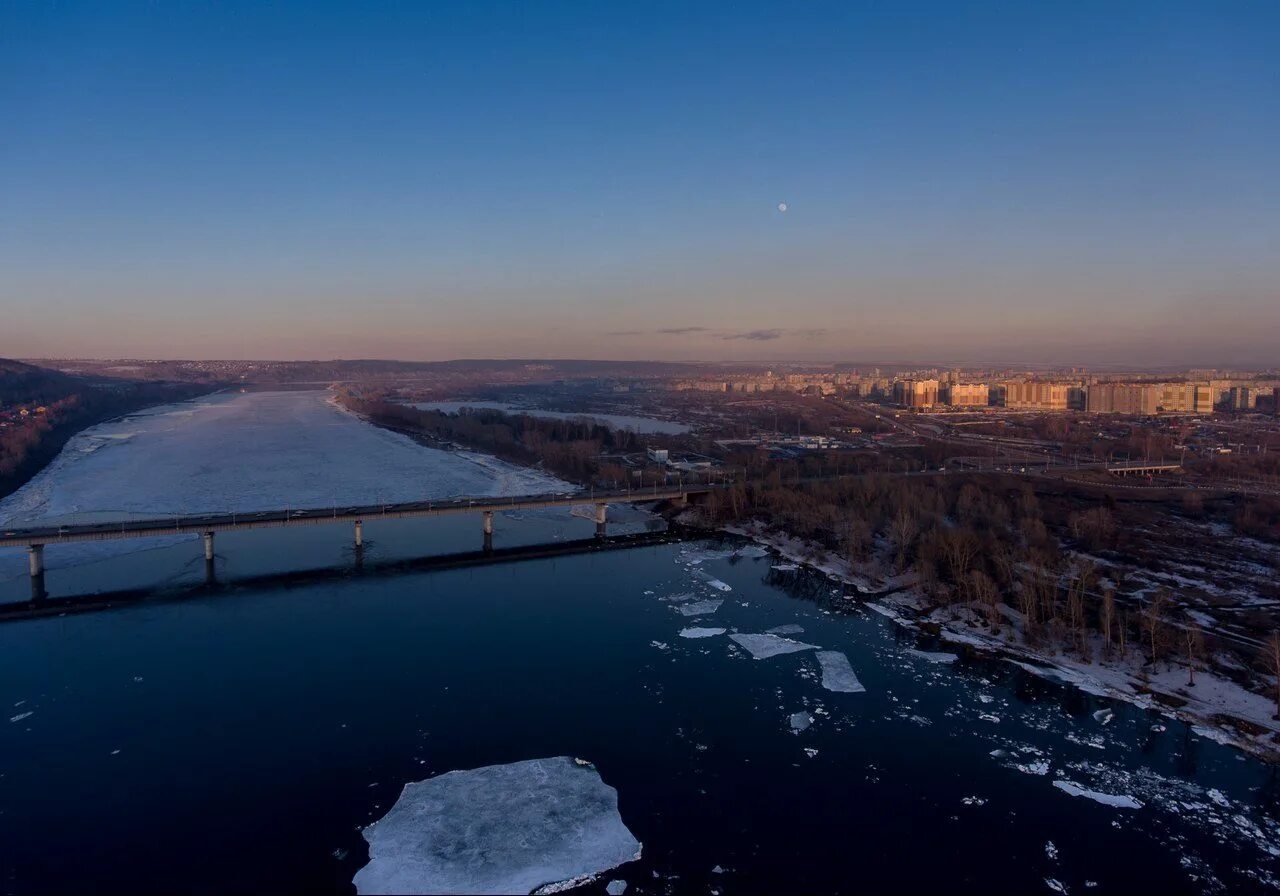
(965, 182)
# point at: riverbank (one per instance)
(95, 411)
(1216, 707)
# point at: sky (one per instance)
(1073, 183)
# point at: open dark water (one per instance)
(237, 741)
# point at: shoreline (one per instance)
(1237, 708)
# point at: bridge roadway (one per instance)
(203, 524)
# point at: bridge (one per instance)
(35, 539)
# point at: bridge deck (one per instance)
(225, 522)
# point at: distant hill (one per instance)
(530, 369)
(26, 383)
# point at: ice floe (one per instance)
(695, 632)
(837, 674)
(712, 580)
(764, 646)
(800, 721)
(789, 629)
(931, 655)
(1117, 800)
(699, 607)
(518, 828)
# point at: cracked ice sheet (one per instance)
(499, 829)
(837, 674)
(698, 607)
(762, 647)
(240, 453)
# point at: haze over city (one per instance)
(1079, 184)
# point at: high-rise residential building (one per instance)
(1149, 398)
(1186, 398)
(916, 393)
(1240, 398)
(1123, 398)
(967, 395)
(1036, 395)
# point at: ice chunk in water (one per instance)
(499, 829)
(712, 580)
(800, 721)
(1118, 800)
(789, 629)
(761, 647)
(696, 632)
(616, 887)
(837, 674)
(932, 656)
(699, 607)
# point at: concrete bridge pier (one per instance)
(602, 515)
(35, 565)
(488, 530)
(210, 570)
(359, 534)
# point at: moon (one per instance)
(782, 206)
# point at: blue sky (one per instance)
(1080, 182)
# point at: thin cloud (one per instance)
(756, 335)
(677, 331)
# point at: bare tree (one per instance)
(1271, 662)
(902, 530)
(1153, 623)
(1107, 620)
(987, 595)
(1193, 644)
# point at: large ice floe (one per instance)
(837, 674)
(541, 825)
(762, 647)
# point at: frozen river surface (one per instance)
(243, 452)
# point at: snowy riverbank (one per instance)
(1216, 707)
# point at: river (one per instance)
(239, 739)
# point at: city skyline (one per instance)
(1083, 185)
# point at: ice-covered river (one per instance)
(242, 452)
(763, 731)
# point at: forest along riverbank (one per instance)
(1218, 708)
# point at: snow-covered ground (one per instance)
(1206, 704)
(244, 452)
